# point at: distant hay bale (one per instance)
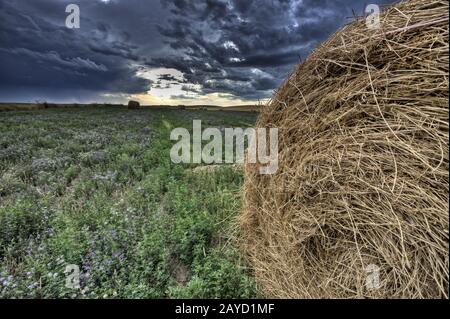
(359, 205)
(134, 105)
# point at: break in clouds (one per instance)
(160, 51)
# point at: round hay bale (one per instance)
(134, 105)
(359, 205)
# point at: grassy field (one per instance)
(95, 187)
(4, 107)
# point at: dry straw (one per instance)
(363, 176)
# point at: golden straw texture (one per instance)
(363, 166)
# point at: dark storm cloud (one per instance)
(168, 78)
(227, 41)
(268, 59)
(190, 88)
(240, 47)
(39, 53)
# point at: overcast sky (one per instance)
(160, 51)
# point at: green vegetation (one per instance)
(95, 187)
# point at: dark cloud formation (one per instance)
(167, 77)
(236, 48)
(41, 59)
(247, 47)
